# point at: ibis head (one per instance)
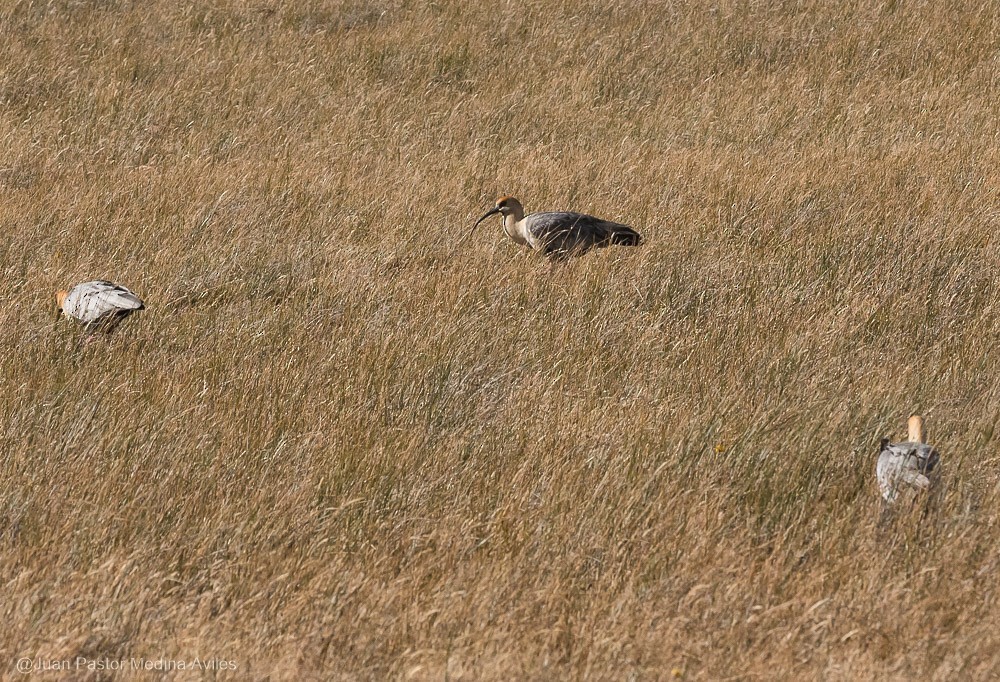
(505, 206)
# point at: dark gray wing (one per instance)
(565, 231)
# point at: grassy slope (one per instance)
(333, 444)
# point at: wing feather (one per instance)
(566, 231)
(904, 465)
(92, 301)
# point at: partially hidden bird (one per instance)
(908, 466)
(100, 305)
(558, 234)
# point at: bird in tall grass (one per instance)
(559, 234)
(906, 467)
(100, 306)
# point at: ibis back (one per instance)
(902, 466)
(563, 232)
(100, 304)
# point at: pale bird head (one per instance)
(505, 206)
(60, 299)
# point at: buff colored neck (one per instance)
(514, 228)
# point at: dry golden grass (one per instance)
(331, 448)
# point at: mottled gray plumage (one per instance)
(905, 465)
(560, 233)
(98, 305)
(565, 232)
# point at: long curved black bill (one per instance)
(492, 211)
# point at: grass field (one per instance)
(335, 446)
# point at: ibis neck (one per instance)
(514, 228)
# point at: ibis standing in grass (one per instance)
(99, 306)
(560, 233)
(907, 466)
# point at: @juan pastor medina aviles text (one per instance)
(39, 664)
